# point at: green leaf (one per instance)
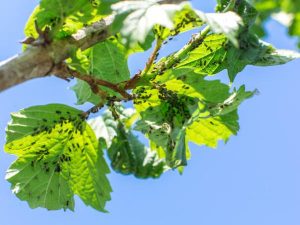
(228, 23)
(286, 12)
(30, 30)
(135, 19)
(209, 131)
(184, 20)
(105, 126)
(165, 114)
(208, 57)
(275, 57)
(79, 60)
(238, 58)
(58, 156)
(253, 51)
(246, 11)
(84, 93)
(265, 5)
(172, 104)
(166, 130)
(295, 25)
(242, 7)
(65, 17)
(178, 103)
(186, 82)
(221, 121)
(129, 156)
(231, 103)
(248, 44)
(108, 61)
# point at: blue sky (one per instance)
(253, 179)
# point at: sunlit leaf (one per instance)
(178, 104)
(65, 17)
(184, 20)
(209, 131)
(208, 57)
(135, 19)
(228, 23)
(58, 156)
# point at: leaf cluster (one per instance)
(174, 100)
(286, 12)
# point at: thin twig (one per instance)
(153, 56)
(94, 109)
(92, 81)
(132, 82)
(161, 66)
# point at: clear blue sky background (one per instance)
(252, 180)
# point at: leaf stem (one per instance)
(174, 59)
(63, 71)
(162, 65)
(130, 84)
(153, 56)
(94, 109)
(92, 81)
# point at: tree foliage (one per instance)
(175, 99)
(287, 12)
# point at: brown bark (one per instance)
(38, 61)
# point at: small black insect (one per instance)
(57, 168)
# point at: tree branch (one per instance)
(39, 61)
